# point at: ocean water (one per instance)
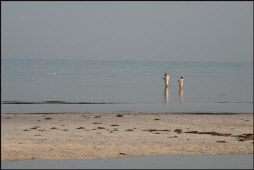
(213, 161)
(131, 86)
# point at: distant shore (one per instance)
(47, 136)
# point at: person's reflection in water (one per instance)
(181, 95)
(166, 97)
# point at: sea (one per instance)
(108, 86)
(212, 161)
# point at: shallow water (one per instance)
(130, 108)
(235, 161)
(208, 86)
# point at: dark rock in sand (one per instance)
(178, 131)
(114, 125)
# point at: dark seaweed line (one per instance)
(58, 102)
(235, 102)
(242, 137)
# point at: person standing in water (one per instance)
(180, 82)
(166, 77)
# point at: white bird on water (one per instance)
(52, 73)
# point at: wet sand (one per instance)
(111, 135)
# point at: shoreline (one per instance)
(47, 136)
(130, 113)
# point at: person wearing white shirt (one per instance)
(166, 77)
(180, 82)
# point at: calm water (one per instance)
(234, 161)
(137, 85)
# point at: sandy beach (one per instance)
(112, 135)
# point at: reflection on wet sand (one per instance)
(166, 96)
(181, 95)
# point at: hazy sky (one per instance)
(128, 30)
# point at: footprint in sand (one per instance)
(172, 137)
(35, 127)
(156, 133)
(221, 141)
(97, 123)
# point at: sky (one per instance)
(128, 30)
